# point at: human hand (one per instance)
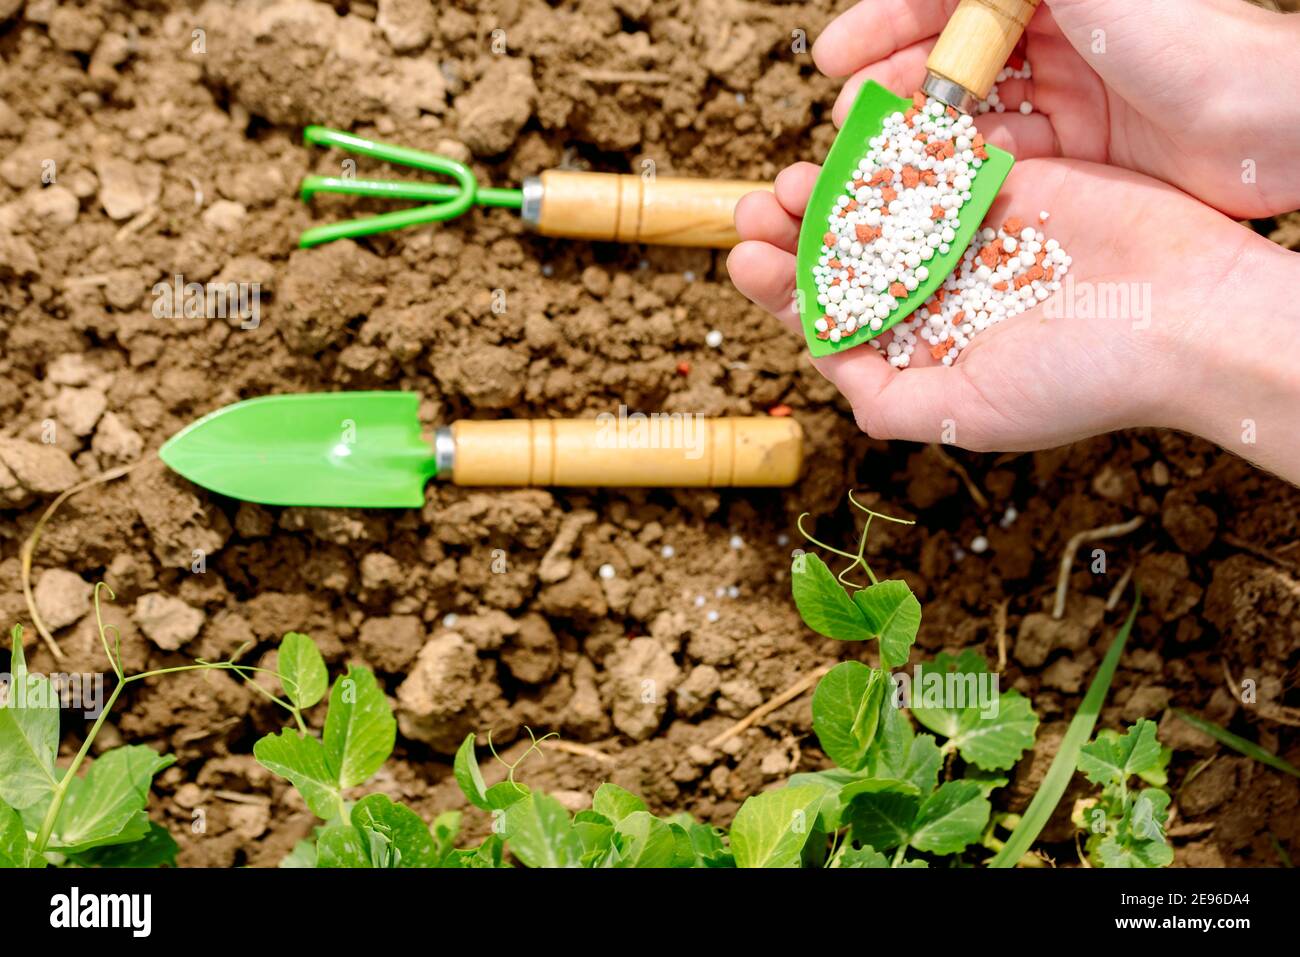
(1200, 330)
(1192, 92)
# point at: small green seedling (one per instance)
(529, 827)
(886, 611)
(52, 815)
(1125, 825)
(897, 790)
(886, 795)
(618, 829)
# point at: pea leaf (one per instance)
(445, 827)
(705, 841)
(647, 842)
(303, 855)
(503, 795)
(468, 775)
(407, 840)
(596, 832)
(831, 783)
(302, 670)
(988, 781)
(29, 734)
(771, 829)
(540, 834)
(902, 754)
(360, 729)
(156, 849)
(861, 857)
(486, 855)
(106, 805)
(683, 850)
(995, 742)
(1112, 758)
(616, 803)
(955, 697)
(1140, 839)
(934, 702)
(894, 738)
(846, 712)
(15, 849)
(893, 615)
(823, 603)
(301, 759)
(341, 845)
(883, 818)
(951, 818)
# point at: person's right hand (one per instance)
(1198, 93)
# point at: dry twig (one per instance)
(1000, 620)
(29, 547)
(1116, 593)
(1242, 545)
(1278, 714)
(581, 750)
(763, 710)
(1072, 548)
(959, 470)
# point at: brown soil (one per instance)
(175, 157)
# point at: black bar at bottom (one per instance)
(336, 907)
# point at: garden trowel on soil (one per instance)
(960, 71)
(365, 450)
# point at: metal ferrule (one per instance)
(444, 452)
(531, 211)
(953, 94)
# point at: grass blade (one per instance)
(1059, 774)
(1249, 748)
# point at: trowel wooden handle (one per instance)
(979, 37)
(663, 210)
(629, 451)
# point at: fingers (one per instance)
(794, 185)
(901, 72)
(917, 405)
(873, 30)
(760, 217)
(764, 274)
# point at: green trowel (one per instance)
(961, 69)
(367, 450)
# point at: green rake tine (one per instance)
(442, 202)
(403, 189)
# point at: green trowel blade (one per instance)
(343, 449)
(873, 105)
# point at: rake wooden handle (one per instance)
(685, 451)
(979, 37)
(662, 210)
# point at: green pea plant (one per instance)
(373, 831)
(618, 829)
(1125, 824)
(897, 797)
(359, 733)
(51, 815)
